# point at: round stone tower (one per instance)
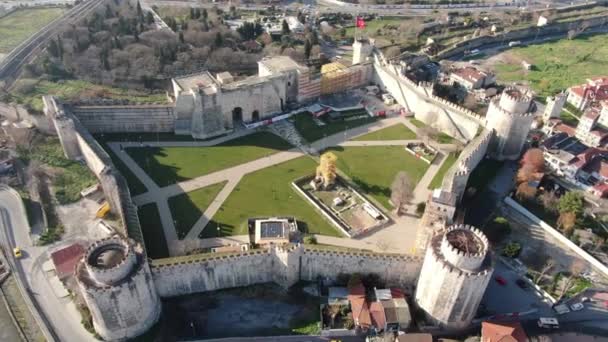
(117, 286)
(455, 273)
(510, 117)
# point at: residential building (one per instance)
(588, 130)
(502, 332)
(359, 307)
(472, 78)
(595, 90)
(554, 107)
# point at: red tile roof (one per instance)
(598, 165)
(602, 189)
(585, 157)
(359, 306)
(502, 332)
(377, 313)
(397, 293)
(571, 131)
(66, 258)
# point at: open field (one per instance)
(311, 132)
(152, 229)
(187, 208)
(19, 25)
(557, 65)
(29, 92)
(269, 192)
(447, 164)
(169, 165)
(394, 132)
(373, 169)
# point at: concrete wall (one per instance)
(441, 114)
(559, 236)
(136, 118)
(530, 32)
(185, 275)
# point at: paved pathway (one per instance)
(379, 241)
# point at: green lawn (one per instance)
(152, 230)
(443, 138)
(268, 192)
(568, 118)
(72, 90)
(394, 132)
(447, 164)
(311, 132)
(373, 169)
(557, 65)
(187, 208)
(21, 24)
(170, 165)
(417, 123)
(484, 173)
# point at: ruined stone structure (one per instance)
(511, 118)
(456, 270)
(554, 106)
(115, 280)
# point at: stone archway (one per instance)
(237, 115)
(255, 115)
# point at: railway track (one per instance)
(12, 65)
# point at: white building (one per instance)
(472, 78)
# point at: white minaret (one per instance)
(554, 107)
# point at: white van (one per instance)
(514, 43)
(548, 322)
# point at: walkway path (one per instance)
(233, 175)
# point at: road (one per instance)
(288, 339)
(57, 317)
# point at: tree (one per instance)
(392, 52)
(307, 48)
(149, 18)
(566, 222)
(219, 40)
(512, 250)
(327, 170)
(497, 229)
(546, 268)
(549, 201)
(285, 28)
(534, 159)
(571, 202)
(420, 207)
(525, 191)
(402, 191)
(576, 268)
(525, 174)
(205, 14)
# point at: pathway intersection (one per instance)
(396, 238)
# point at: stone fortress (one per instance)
(116, 279)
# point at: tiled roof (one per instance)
(65, 259)
(377, 313)
(503, 332)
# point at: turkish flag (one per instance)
(360, 22)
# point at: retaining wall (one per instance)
(555, 28)
(284, 266)
(136, 118)
(557, 235)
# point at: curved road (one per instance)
(57, 317)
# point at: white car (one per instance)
(577, 307)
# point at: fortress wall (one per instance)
(398, 270)
(79, 144)
(524, 33)
(185, 275)
(441, 114)
(136, 118)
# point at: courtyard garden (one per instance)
(373, 169)
(557, 65)
(314, 129)
(268, 192)
(152, 230)
(170, 165)
(394, 132)
(187, 208)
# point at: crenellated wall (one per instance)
(191, 274)
(434, 111)
(132, 118)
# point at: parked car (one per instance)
(577, 307)
(548, 322)
(585, 299)
(502, 281)
(521, 283)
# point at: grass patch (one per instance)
(152, 229)
(170, 165)
(417, 123)
(310, 131)
(72, 178)
(373, 169)
(557, 65)
(74, 90)
(394, 132)
(21, 24)
(568, 118)
(443, 138)
(484, 173)
(447, 164)
(136, 187)
(187, 208)
(268, 192)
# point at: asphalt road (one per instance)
(61, 313)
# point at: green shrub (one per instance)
(420, 207)
(512, 250)
(497, 229)
(310, 240)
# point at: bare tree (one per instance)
(546, 268)
(576, 268)
(525, 192)
(534, 159)
(549, 201)
(402, 191)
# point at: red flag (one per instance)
(360, 22)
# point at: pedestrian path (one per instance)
(380, 241)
